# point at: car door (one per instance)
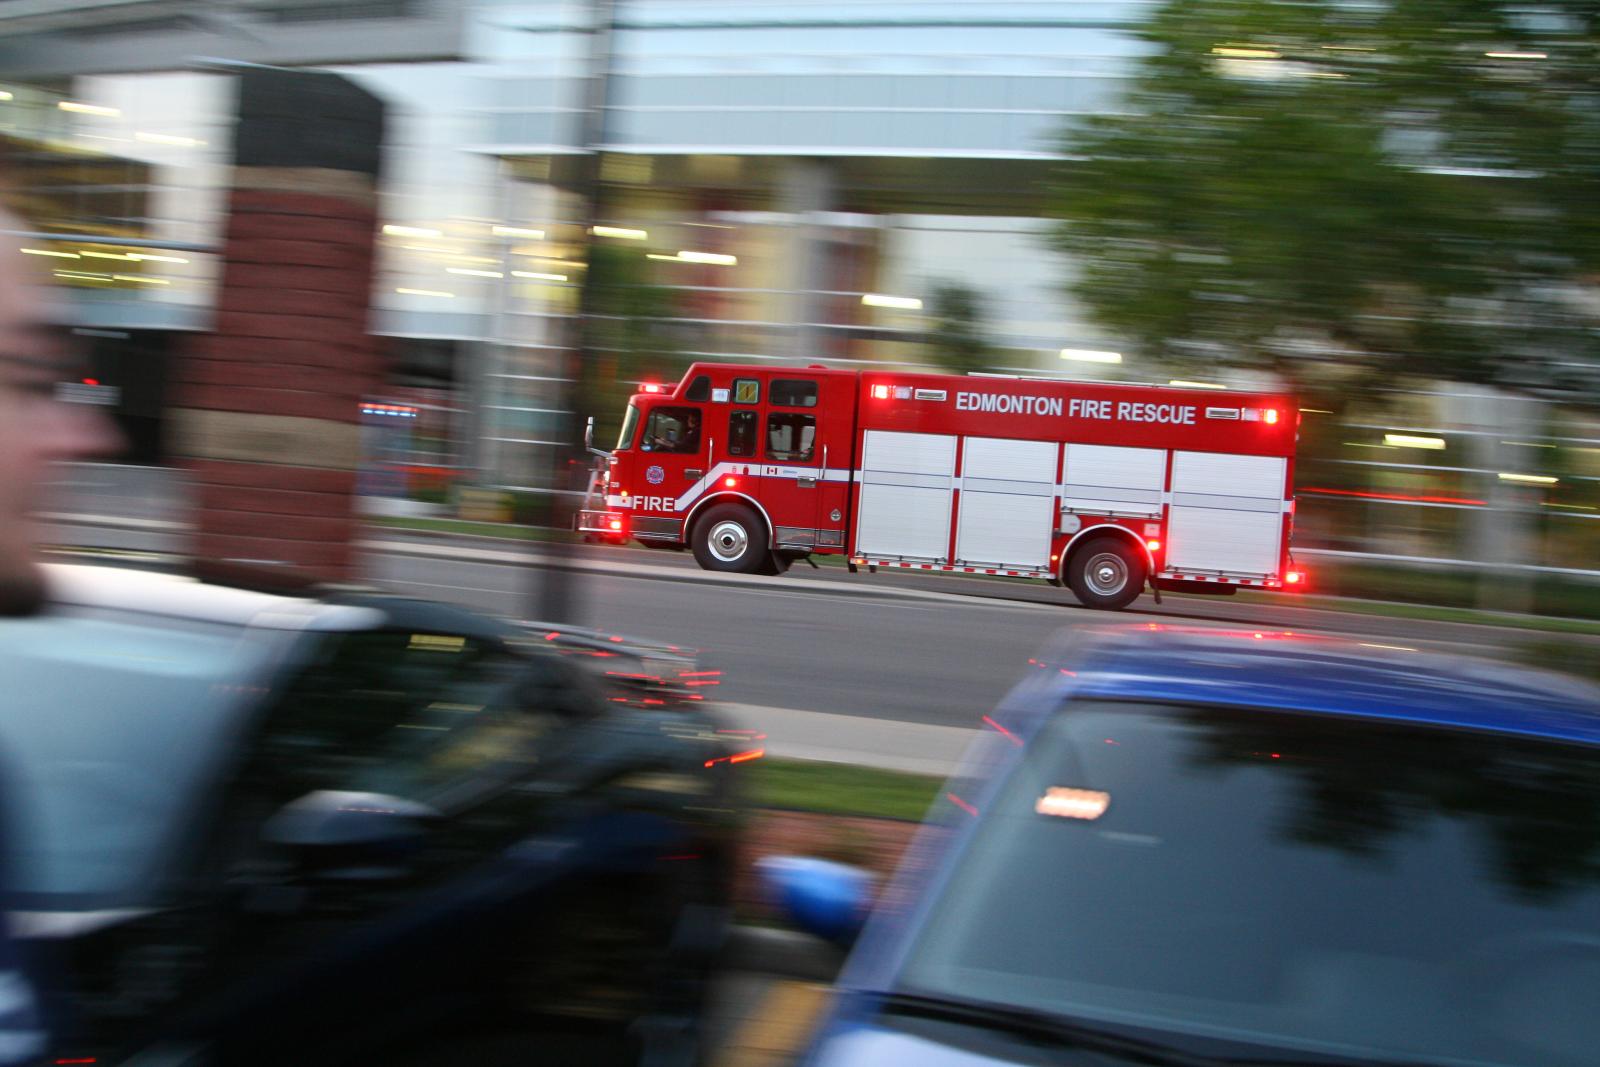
(673, 451)
(328, 939)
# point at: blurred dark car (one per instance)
(1192, 847)
(253, 827)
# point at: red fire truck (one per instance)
(1102, 488)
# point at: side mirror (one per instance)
(829, 900)
(345, 836)
(588, 433)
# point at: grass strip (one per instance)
(841, 789)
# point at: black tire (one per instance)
(1107, 573)
(733, 539)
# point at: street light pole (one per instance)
(557, 592)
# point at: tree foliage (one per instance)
(1408, 187)
(956, 337)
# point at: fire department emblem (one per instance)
(835, 516)
(655, 475)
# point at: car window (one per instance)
(674, 430)
(403, 713)
(791, 437)
(742, 433)
(1285, 879)
(111, 724)
(794, 393)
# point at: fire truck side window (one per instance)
(672, 430)
(742, 431)
(791, 437)
(793, 393)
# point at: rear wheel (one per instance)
(732, 538)
(1108, 573)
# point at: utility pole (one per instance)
(557, 589)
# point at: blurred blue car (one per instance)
(1183, 847)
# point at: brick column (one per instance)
(267, 406)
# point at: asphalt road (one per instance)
(913, 648)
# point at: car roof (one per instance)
(1335, 676)
(186, 597)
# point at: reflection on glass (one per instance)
(1304, 882)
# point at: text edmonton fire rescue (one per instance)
(1119, 411)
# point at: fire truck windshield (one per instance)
(630, 423)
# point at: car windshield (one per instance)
(1313, 884)
(630, 423)
(109, 725)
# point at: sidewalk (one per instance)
(885, 744)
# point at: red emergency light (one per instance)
(1271, 416)
(730, 481)
(615, 524)
(1153, 545)
(880, 392)
(1294, 578)
(650, 387)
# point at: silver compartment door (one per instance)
(1109, 479)
(1227, 514)
(906, 485)
(1007, 490)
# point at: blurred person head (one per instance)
(36, 427)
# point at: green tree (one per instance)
(1335, 191)
(956, 337)
(627, 339)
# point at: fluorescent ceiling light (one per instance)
(49, 252)
(538, 276)
(620, 231)
(1405, 440)
(138, 278)
(88, 109)
(474, 273)
(1181, 384)
(1517, 55)
(425, 292)
(1246, 53)
(103, 255)
(717, 258)
(411, 231)
(167, 138)
(516, 231)
(1089, 355)
(4, 95)
(146, 257)
(1529, 479)
(879, 300)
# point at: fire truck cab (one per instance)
(1103, 488)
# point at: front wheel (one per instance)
(731, 538)
(1107, 573)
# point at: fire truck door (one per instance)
(805, 461)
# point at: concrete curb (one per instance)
(682, 574)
